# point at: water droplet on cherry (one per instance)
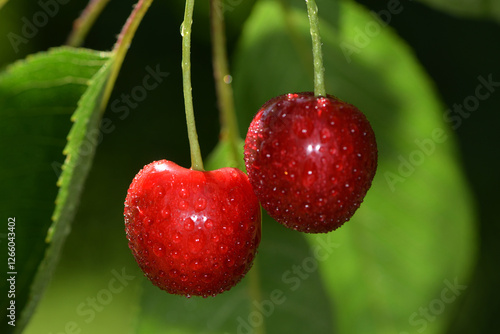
(188, 224)
(201, 204)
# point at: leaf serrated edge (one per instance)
(72, 150)
(62, 210)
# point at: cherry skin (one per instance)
(192, 232)
(310, 160)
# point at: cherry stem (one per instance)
(84, 23)
(123, 44)
(319, 70)
(196, 160)
(229, 124)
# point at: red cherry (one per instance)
(192, 232)
(310, 160)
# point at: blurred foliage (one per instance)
(397, 254)
(468, 8)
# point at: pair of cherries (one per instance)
(310, 161)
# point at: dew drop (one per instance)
(227, 230)
(195, 243)
(182, 29)
(176, 238)
(309, 173)
(325, 135)
(188, 224)
(223, 249)
(209, 224)
(196, 264)
(159, 190)
(184, 193)
(183, 205)
(165, 213)
(174, 254)
(215, 238)
(201, 204)
(206, 278)
(303, 127)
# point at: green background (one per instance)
(453, 50)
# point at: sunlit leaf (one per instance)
(2, 3)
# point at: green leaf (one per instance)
(221, 156)
(269, 299)
(488, 9)
(37, 97)
(2, 3)
(414, 234)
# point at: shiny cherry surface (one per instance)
(192, 232)
(310, 160)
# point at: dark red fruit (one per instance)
(310, 160)
(192, 232)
